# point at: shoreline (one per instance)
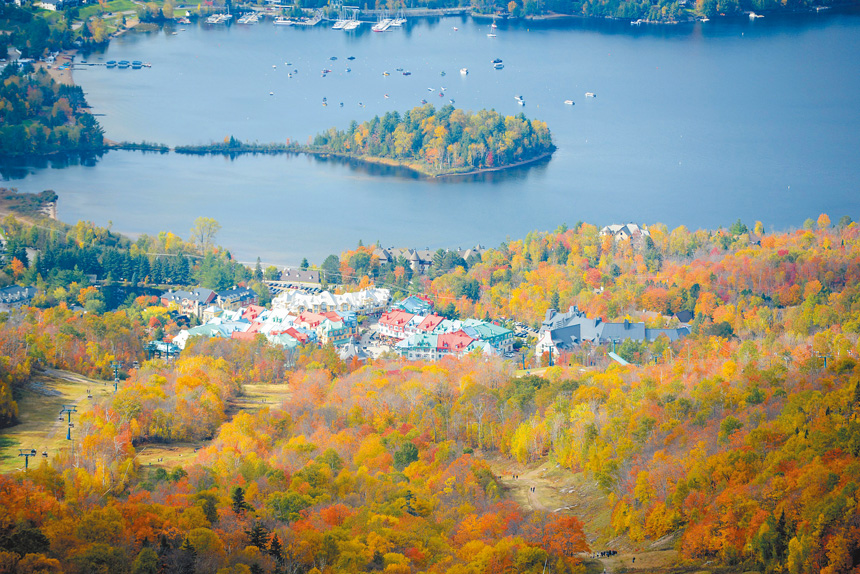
(64, 77)
(370, 160)
(423, 173)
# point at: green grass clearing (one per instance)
(112, 7)
(39, 408)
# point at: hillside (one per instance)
(733, 449)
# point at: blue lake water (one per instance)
(694, 124)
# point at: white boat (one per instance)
(399, 20)
(704, 19)
(568, 102)
(590, 95)
(464, 71)
(217, 19)
(491, 35)
(283, 21)
(352, 25)
(753, 16)
(339, 24)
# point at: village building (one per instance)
(393, 324)
(565, 332)
(415, 304)
(15, 297)
(628, 231)
(189, 302)
(368, 302)
(236, 297)
(420, 260)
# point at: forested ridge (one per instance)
(741, 440)
(444, 141)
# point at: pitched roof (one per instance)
(454, 342)
(396, 318)
(430, 323)
(310, 318)
(300, 275)
(16, 293)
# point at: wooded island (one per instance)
(444, 142)
(433, 143)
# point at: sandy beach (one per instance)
(60, 76)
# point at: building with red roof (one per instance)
(309, 319)
(429, 324)
(393, 323)
(453, 343)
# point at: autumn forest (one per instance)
(734, 449)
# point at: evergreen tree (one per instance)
(239, 505)
(258, 536)
(187, 559)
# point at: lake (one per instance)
(696, 124)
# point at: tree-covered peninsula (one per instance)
(441, 142)
(38, 116)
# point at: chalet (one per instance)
(15, 297)
(454, 343)
(236, 297)
(626, 232)
(309, 320)
(421, 347)
(561, 332)
(189, 302)
(301, 277)
(393, 324)
(684, 316)
(368, 302)
(251, 312)
(430, 323)
(500, 338)
(420, 260)
(334, 332)
(414, 304)
(352, 350)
